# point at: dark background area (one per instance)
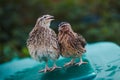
(96, 20)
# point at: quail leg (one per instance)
(69, 63)
(46, 69)
(55, 67)
(81, 62)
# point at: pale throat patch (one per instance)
(47, 25)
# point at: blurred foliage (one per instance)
(96, 20)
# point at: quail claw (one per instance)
(68, 64)
(80, 63)
(47, 69)
(55, 67)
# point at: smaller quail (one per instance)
(71, 44)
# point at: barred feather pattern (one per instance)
(43, 44)
(71, 44)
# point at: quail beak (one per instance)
(51, 18)
(59, 29)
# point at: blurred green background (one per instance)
(96, 20)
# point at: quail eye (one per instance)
(44, 16)
(63, 26)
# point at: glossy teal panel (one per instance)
(85, 71)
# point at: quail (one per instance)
(72, 45)
(42, 42)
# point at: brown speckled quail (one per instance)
(42, 42)
(71, 44)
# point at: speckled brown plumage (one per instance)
(71, 44)
(42, 42)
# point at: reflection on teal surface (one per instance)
(85, 71)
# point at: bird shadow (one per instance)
(71, 72)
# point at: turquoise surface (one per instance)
(105, 57)
(84, 71)
(103, 64)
